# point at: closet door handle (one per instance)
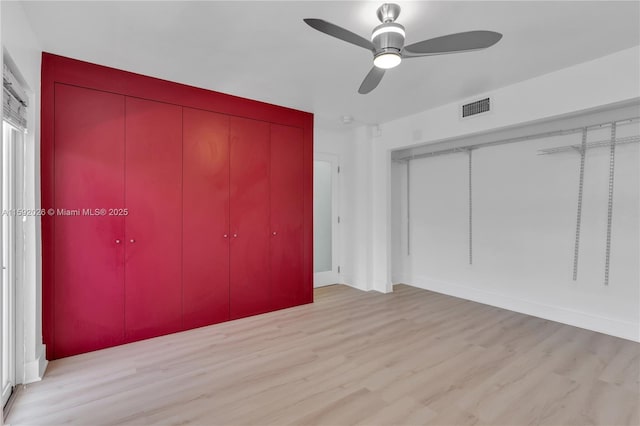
(275, 233)
(225, 236)
(117, 241)
(235, 235)
(132, 241)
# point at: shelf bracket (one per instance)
(576, 248)
(612, 163)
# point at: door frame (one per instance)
(324, 278)
(11, 137)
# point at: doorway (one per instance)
(325, 220)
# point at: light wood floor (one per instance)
(410, 357)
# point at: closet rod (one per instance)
(595, 144)
(517, 139)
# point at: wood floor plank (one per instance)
(406, 358)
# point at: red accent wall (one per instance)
(167, 275)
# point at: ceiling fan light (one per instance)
(387, 60)
(388, 28)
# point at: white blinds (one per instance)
(14, 100)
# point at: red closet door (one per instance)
(249, 212)
(153, 226)
(88, 249)
(287, 186)
(205, 209)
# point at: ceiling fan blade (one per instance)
(452, 43)
(339, 32)
(371, 81)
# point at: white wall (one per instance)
(604, 81)
(359, 237)
(20, 43)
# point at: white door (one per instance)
(325, 220)
(11, 138)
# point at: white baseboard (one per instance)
(613, 327)
(348, 280)
(34, 370)
(359, 285)
(382, 286)
(401, 279)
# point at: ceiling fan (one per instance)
(387, 43)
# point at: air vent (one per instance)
(477, 107)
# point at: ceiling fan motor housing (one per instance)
(388, 38)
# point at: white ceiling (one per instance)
(263, 50)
